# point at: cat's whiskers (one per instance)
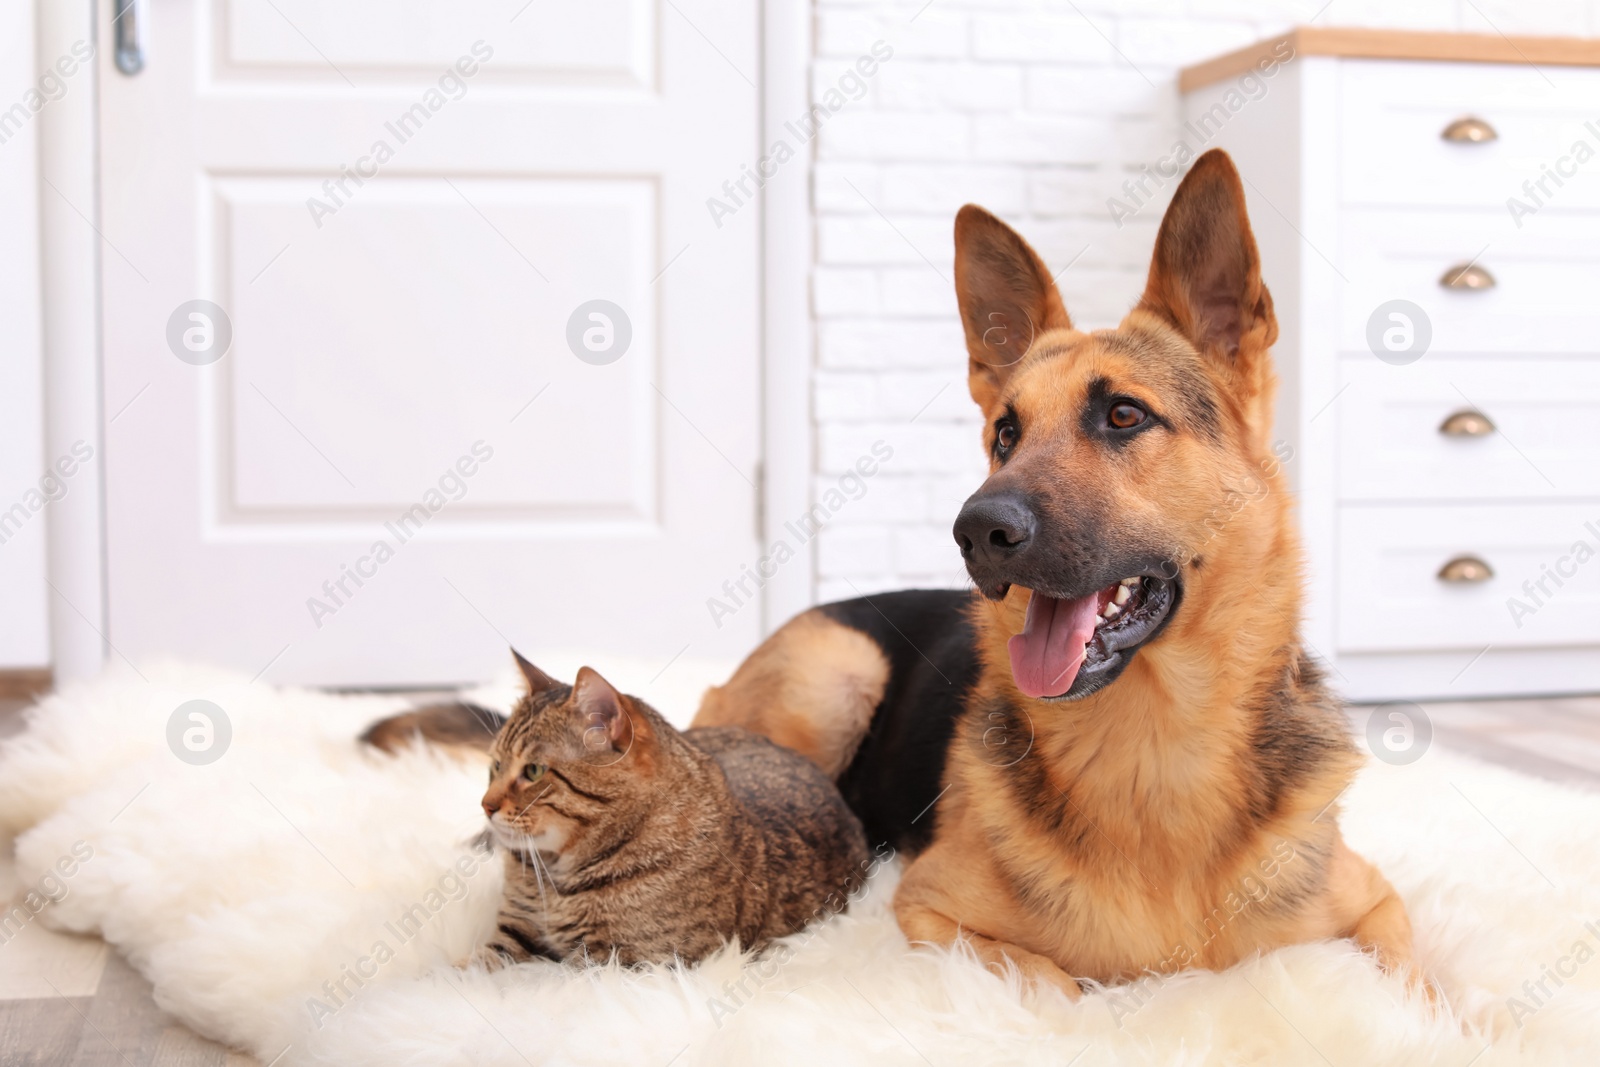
(538, 865)
(527, 849)
(509, 834)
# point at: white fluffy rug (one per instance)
(255, 893)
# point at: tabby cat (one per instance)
(625, 838)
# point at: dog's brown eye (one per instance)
(1005, 435)
(1125, 416)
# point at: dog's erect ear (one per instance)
(537, 680)
(1006, 296)
(608, 722)
(1205, 277)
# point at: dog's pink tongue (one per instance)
(1046, 655)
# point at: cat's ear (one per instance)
(607, 720)
(537, 680)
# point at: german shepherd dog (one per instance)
(1113, 757)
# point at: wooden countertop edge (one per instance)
(1396, 44)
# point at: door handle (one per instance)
(127, 17)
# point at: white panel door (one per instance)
(419, 337)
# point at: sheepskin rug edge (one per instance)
(305, 900)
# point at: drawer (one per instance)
(1545, 277)
(1390, 598)
(1540, 436)
(1392, 115)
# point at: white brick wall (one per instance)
(1039, 110)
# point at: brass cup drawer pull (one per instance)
(1467, 423)
(1466, 569)
(1469, 130)
(1467, 276)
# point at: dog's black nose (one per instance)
(993, 527)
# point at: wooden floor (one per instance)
(1557, 739)
(72, 1002)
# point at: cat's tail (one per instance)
(461, 728)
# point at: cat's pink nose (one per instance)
(491, 804)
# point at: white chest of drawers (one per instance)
(1428, 212)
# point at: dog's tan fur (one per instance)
(1185, 814)
(767, 684)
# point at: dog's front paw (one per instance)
(1036, 968)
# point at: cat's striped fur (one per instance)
(625, 838)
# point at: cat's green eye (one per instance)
(533, 771)
(494, 770)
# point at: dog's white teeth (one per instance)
(1123, 594)
(1131, 581)
(1112, 611)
